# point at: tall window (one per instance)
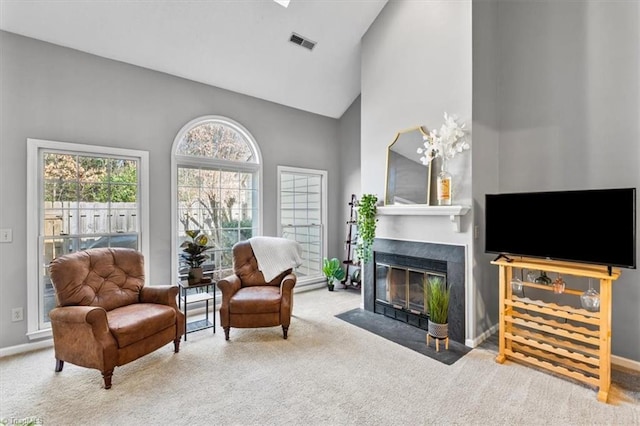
(216, 190)
(302, 215)
(83, 197)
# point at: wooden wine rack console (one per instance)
(566, 340)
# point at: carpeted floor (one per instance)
(328, 372)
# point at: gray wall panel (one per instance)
(55, 93)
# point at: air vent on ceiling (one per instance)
(301, 41)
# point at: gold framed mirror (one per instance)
(408, 181)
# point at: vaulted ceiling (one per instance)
(240, 45)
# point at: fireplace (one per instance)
(400, 286)
(394, 281)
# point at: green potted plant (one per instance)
(193, 254)
(333, 271)
(438, 303)
(366, 221)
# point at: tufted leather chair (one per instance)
(105, 316)
(248, 301)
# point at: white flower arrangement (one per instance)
(446, 143)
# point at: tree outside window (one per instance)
(217, 171)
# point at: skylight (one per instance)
(283, 3)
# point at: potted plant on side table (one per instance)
(193, 254)
(438, 303)
(333, 271)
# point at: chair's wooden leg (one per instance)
(107, 378)
(226, 333)
(285, 329)
(176, 344)
(59, 365)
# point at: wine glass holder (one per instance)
(563, 339)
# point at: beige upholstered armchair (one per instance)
(248, 300)
(105, 316)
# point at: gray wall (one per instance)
(555, 104)
(55, 93)
(485, 153)
(555, 88)
(569, 109)
(417, 64)
(349, 152)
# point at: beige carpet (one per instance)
(327, 373)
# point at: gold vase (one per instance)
(444, 184)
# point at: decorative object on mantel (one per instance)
(193, 254)
(407, 181)
(438, 302)
(367, 210)
(332, 271)
(444, 144)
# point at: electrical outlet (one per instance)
(17, 314)
(6, 235)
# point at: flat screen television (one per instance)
(587, 226)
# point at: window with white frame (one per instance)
(216, 190)
(302, 216)
(81, 197)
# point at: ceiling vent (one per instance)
(301, 41)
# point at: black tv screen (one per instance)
(589, 226)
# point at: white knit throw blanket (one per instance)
(275, 255)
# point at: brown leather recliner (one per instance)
(250, 302)
(105, 316)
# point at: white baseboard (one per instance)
(625, 363)
(26, 347)
(308, 287)
(472, 343)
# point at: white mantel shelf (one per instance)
(454, 212)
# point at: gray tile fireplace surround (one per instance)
(453, 255)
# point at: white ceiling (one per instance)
(240, 45)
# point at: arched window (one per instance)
(216, 175)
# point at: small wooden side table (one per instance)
(201, 292)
